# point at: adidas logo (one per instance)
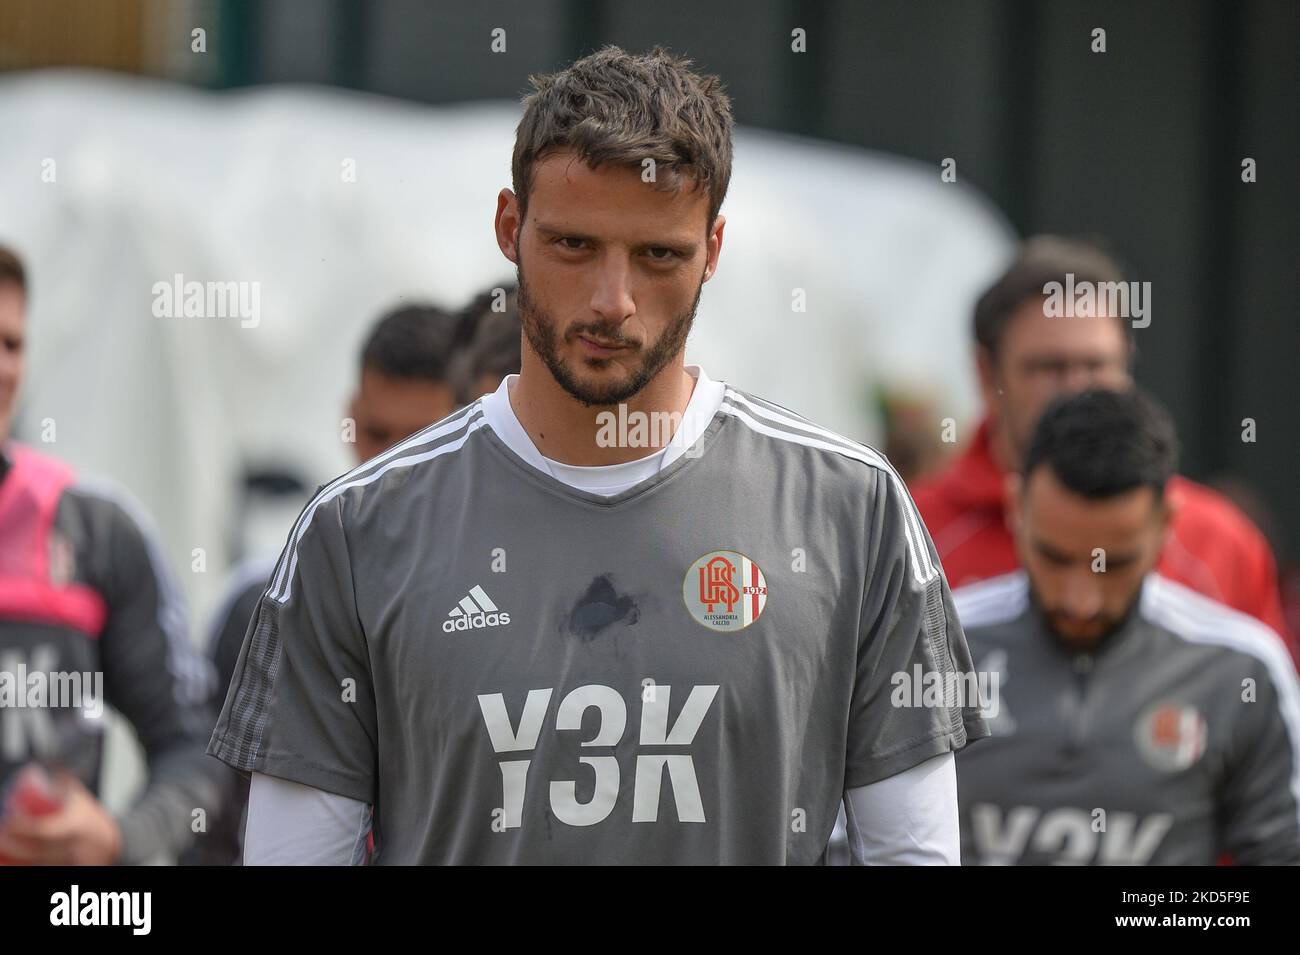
(474, 612)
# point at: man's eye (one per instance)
(661, 254)
(570, 243)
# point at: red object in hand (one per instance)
(33, 792)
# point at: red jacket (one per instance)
(1213, 547)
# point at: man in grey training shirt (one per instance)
(615, 611)
(1136, 721)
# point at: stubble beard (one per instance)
(539, 329)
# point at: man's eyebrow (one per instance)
(1123, 557)
(677, 244)
(555, 230)
(1048, 550)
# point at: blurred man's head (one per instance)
(620, 166)
(493, 351)
(1026, 357)
(13, 310)
(1089, 512)
(405, 382)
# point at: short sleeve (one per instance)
(301, 701)
(915, 693)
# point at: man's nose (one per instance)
(1082, 598)
(1078, 377)
(612, 296)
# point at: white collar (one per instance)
(700, 411)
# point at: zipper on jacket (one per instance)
(1082, 664)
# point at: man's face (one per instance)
(1040, 358)
(610, 272)
(1065, 540)
(388, 409)
(13, 306)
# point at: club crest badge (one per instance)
(725, 590)
(1170, 736)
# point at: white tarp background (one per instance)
(111, 184)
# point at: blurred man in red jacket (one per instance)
(1027, 353)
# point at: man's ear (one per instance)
(1012, 484)
(714, 247)
(1170, 502)
(506, 225)
(986, 370)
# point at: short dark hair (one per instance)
(1101, 442)
(11, 269)
(413, 341)
(494, 334)
(623, 108)
(1042, 259)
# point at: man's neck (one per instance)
(566, 430)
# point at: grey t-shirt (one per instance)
(1175, 741)
(515, 671)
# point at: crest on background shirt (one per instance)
(1170, 735)
(725, 590)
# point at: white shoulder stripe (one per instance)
(771, 406)
(1198, 619)
(791, 420)
(1194, 615)
(995, 600)
(923, 569)
(431, 433)
(912, 518)
(283, 587)
(423, 437)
